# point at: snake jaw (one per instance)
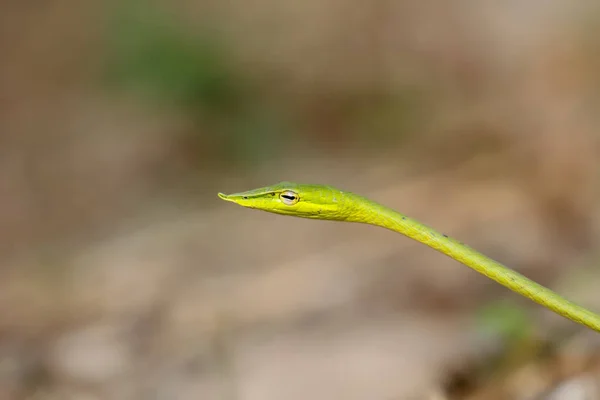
(243, 199)
(224, 196)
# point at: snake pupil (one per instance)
(289, 197)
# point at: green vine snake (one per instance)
(328, 203)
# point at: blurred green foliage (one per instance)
(507, 320)
(151, 53)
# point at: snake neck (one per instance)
(369, 212)
(361, 210)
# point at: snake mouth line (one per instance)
(224, 196)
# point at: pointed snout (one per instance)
(224, 196)
(237, 198)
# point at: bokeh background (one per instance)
(123, 276)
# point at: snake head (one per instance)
(299, 200)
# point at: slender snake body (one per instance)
(328, 203)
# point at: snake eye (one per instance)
(289, 198)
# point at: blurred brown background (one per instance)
(124, 277)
